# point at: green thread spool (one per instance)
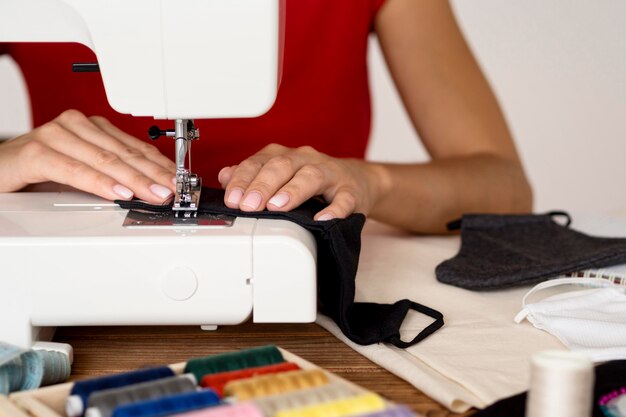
(232, 361)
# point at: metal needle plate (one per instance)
(136, 218)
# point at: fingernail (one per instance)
(123, 192)
(279, 200)
(252, 201)
(325, 217)
(160, 191)
(235, 196)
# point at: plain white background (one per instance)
(559, 71)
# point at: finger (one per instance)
(276, 172)
(309, 181)
(225, 174)
(59, 168)
(244, 173)
(67, 143)
(87, 130)
(241, 178)
(342, 205)
(151, 152)
(141, 156)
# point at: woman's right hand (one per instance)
(90, 154)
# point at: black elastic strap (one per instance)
(568, 219)
(430, 329)
(454, 225)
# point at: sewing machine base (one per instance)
(67, 260)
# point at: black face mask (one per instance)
(501, 251)
(338, 249)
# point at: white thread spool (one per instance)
(561, 385)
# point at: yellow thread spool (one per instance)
(361, 404)
(306, 397)
(264, 385)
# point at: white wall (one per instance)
(559, 71)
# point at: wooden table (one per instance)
(103, 350)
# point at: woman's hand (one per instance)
(280, 178)
(90, 154)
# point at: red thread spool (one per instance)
(218, 381)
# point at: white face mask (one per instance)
(591, 321)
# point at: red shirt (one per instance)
(323, 100)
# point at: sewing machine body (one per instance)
(167, 59)
(67, 260)
(70, 259)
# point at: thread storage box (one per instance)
(259, 382)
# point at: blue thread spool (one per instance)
(174, 404)
(77, 401)
(102, 403)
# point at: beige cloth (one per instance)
(478, 357)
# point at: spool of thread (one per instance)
(64, 348)
(102, 403)
(232, 361)
(174, 404)
(77, 401)
(272, 384)
(561, 385)
(24, 369)
(56, 366)
(618, 405)
(395, 411)
(361, 404)
(298, 399)
(613, 404)
(235, 410)
(218, 381)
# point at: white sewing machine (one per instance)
(72, 259)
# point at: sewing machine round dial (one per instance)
(179, 283)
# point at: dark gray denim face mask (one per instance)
(501, 251)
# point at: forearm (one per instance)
(423, 198)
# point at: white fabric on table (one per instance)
(480, 355)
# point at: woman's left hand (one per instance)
(280, 178)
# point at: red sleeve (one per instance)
(376, 5)
(4, 48)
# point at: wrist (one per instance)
(10, 179)
(379, 183)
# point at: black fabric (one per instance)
(609, 376)
(500, 251)
(338, 249)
